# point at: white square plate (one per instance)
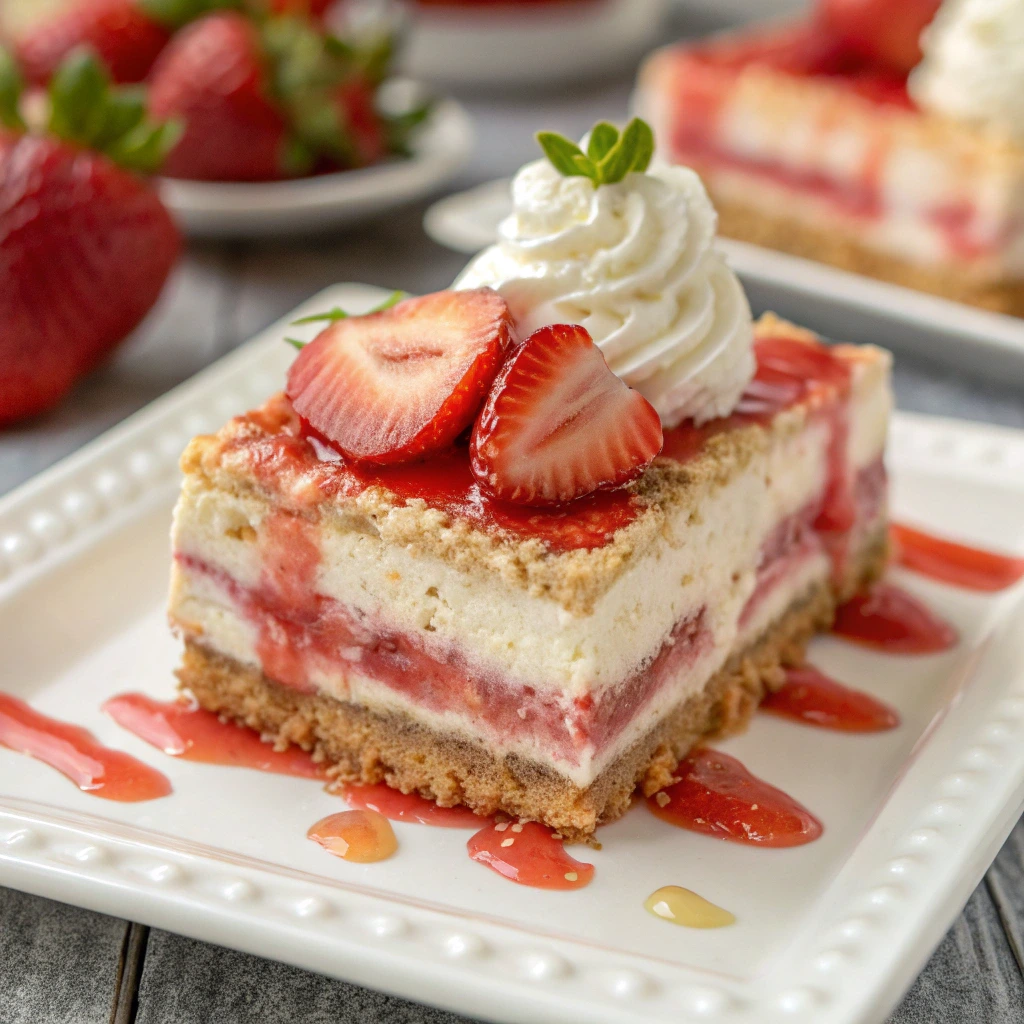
(829, 932)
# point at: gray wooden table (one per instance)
(62, 965)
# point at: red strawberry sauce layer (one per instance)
(704, 79)
(301, 633)
(789, 371)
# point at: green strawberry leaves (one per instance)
(610, 155)
(86, 109)
(11, 86)
(337, 313)
(175, 13)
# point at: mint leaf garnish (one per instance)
(337, 313)
(610, 155)
(562, 153)
(603, 136)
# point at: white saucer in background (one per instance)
(834, 302)
(508, 45)
(215, 209)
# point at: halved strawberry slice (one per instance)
(399, 384)
(559, 424)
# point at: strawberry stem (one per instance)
(11, 86)
(86, 109)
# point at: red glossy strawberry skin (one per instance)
(886, 33)
(398, 385)
(123, 36)
(558, 424)
(212, 77)
(360, 118)
(85, 249)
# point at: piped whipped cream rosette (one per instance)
(631, 258)
(973, 67)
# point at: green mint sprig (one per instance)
(610, 155)
(336, 314)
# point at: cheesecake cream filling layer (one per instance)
(535, 733)
(708, 559)
(994, 252)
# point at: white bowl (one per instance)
(556, 42)
(216, 209)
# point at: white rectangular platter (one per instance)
(826, 933)
(835, 302)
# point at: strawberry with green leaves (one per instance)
(273, 97)
(126, 35)
(85, 243)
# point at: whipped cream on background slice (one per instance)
(973, 67)
(634, 263)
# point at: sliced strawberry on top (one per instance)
(559, 424)
(396, 385)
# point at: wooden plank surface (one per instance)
(58, 964)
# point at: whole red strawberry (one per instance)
(85, 244)
(213, 77)
(273, 97)
(127, 35)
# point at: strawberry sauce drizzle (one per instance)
(892, 620)
(810, 697)
(717, 796)
(411, 807)
(77, 754)
(528, 853)
(183, 729)
(958, 564)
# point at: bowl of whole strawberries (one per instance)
(283, 124)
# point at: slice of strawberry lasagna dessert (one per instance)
(461, 555)
(842, 138)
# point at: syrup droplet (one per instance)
(361, 836)
(945, 560)
(811, 697)
(528, 853)
(77, 754)
(183, 729)
(890, 619)
(681, 906)
(411, 807)
(717, 796)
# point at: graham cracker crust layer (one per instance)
(362, 745)
(830, 244)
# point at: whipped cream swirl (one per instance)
(634, 263)
(973, 67)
